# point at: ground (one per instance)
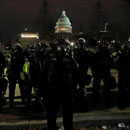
(91, 119)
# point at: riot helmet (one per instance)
(32, 51)
(62, 48)
(17, 48)
(32, 48)
(125, 47)
(44, 47)
(81, 42)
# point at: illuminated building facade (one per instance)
(27, 38)
(29, 35)
(63, 25)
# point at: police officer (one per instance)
(58, 79)
(124, 77)
(101, 65)
(43, 50)
(14, 74)
(83, 60)
(34, 69)
(2, 66)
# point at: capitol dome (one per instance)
(63, 24)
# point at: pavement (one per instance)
(20, 119)
(12, 121)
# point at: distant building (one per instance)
(63, 26)
(27, 38)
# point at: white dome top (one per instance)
(63, 24)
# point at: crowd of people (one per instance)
(57, 70)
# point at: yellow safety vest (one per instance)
(5, 71)
(26, 68)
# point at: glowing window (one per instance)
(29, 35)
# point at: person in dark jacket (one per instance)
(57, 80)
(124, 77)
(3, 84)
(33, 72)
(14, 73)
(101, 65)
(83, 60)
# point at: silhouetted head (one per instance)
(62, 48)
(17, 48)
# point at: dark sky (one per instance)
(15, 15)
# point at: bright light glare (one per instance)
(113, 41)
(72, 43)
(129, 39)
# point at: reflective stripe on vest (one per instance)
(26, 66)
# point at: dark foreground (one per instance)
(120, 126)
(127, 127)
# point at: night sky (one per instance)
(15, 15)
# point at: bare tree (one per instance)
(126, 6)
(98, 19)
(45, 22)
